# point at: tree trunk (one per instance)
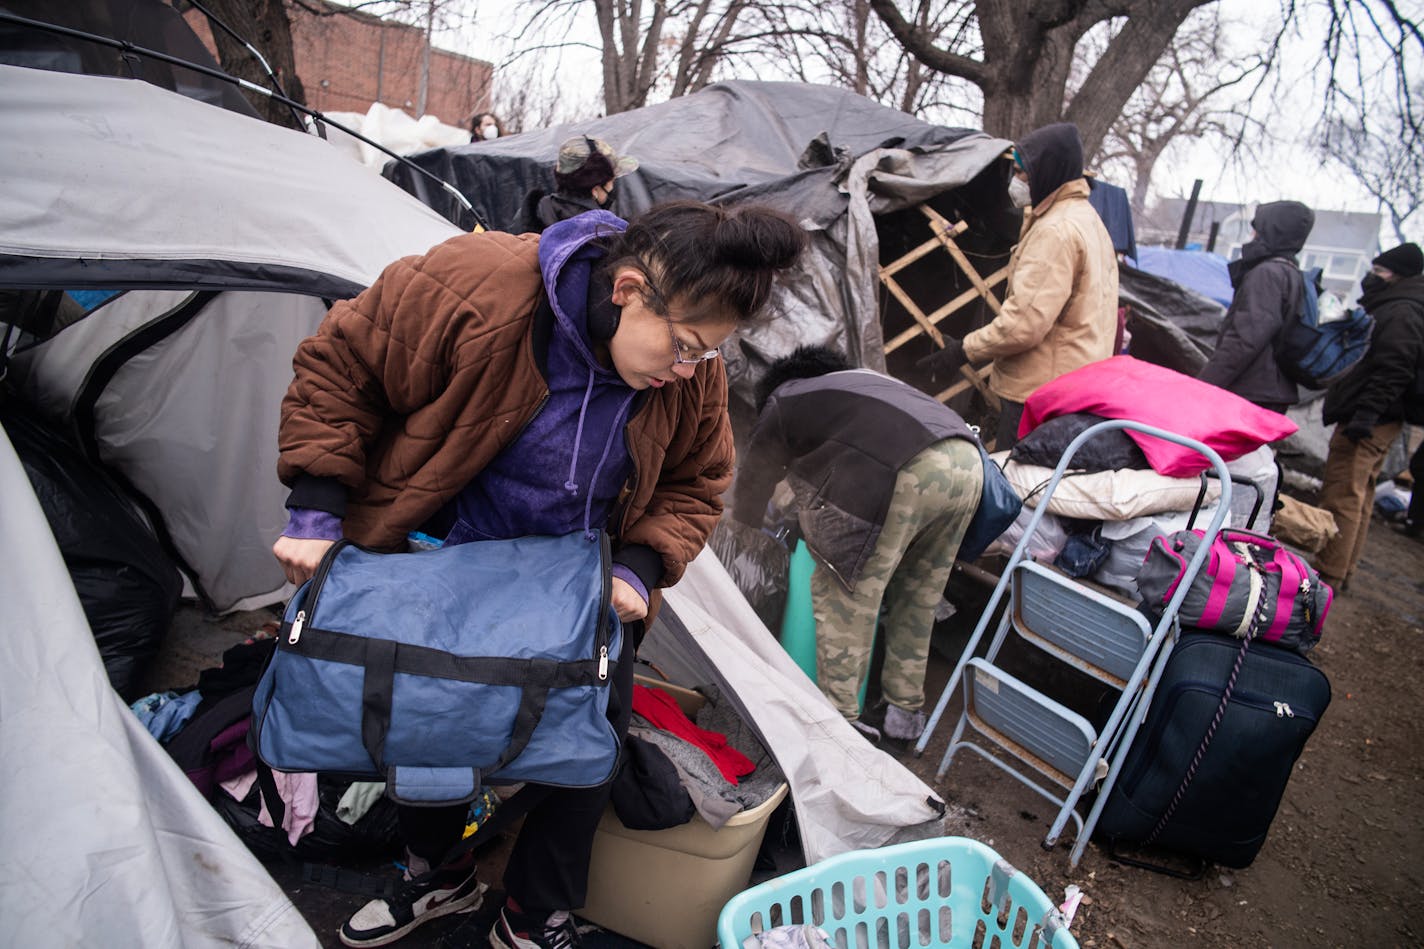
(1028, 53)
(264, 24)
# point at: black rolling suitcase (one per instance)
(1213, 793)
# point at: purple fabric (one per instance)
(231, 744)
(307, 524)
(565, 470)
(625, 573)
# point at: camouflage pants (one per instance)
(936, 494)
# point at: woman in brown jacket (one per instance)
(504, 386)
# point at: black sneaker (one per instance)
(447, 890)
(516, 931)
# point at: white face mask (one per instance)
(1018, 193)
(489, 132)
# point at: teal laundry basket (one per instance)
(945, 892)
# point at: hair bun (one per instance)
(757, 237)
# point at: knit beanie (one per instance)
(1406, 260)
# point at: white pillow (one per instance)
(1107, 495)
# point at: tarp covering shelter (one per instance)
(1198, 270)
(831, 159)
(226, 237)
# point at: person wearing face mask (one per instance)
(1267, 292)
(499, 387)
(1060, 311)
(485, 127)
(1368, 406)
(585, 175)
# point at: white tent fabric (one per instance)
(848, 794)
(119, 170)
(106, 842)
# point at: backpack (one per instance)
(1314, 353)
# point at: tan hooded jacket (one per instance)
(1061, 310)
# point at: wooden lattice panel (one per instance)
(927, 324)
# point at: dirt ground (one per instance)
(1340, 867)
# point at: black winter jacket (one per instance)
(1268, 291)
(843, 438)
(1377, 388)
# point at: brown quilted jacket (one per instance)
(406, 392)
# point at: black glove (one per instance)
(944, 362)
(1360, 426)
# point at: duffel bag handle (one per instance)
(378, 686)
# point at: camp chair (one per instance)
(1098, 634)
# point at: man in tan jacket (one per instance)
(1061, 310)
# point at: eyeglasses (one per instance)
(682, 355)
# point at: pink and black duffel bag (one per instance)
(1249, 586)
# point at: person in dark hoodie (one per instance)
(585, 175)
(1060, 312)
(503, 386)
(1268, 288)
(1368, 406)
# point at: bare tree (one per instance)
(1182, 98)
(843, 43)
(672, 46)
(1384, 157)
(1020, 54)
(264, 24)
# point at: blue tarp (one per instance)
(1196, 270)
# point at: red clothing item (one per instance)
(663, 712)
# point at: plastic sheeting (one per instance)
(1200, 271)
(126, 584)
(1169, 324)
(107, 843)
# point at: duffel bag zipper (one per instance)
(308, 612)
(603, 634)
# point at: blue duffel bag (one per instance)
(445, 670)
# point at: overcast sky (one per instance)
(1289, 167)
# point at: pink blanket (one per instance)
(1127, 388)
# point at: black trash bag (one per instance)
(758, 563)
(128, 586)
(331, 840)
(1108, 451)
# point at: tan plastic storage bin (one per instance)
(667, 887)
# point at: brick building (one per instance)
(350, 59)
